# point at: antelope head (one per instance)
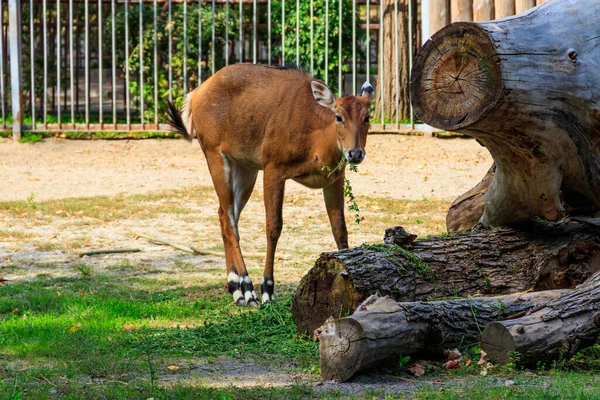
(352, 118)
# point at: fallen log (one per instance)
(559, 329)
(527, 88)
(381, 329)
(487, 262)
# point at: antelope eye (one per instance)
(367, 119)
(339, 118)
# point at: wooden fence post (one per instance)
(523, 5)
(483, 10)
(16, 83)
(439, 14)
(538, 2)
(505, 8)
(462, 10)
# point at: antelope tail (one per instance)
(181, 122)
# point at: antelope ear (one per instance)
(323, 95)
(367, 91)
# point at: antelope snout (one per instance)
(355, 156)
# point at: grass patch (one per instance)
(545, 386)
(105, 208)
(85, 334)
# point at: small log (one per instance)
(107, 251)
(560, 329)
(487, 262)
(382, 329)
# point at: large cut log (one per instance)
(559, 329)
(487, 262)
(527, 88)
(381, 329)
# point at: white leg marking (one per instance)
(250, 295)
(233, 277)
(237, 295)
(266, 298)
(245, 279)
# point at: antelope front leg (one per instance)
(273, 193)
(334, 202)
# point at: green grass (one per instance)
(57, 334)
(529, 386)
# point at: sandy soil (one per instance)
(409, 167)
(400, 167)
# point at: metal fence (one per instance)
(110, 65)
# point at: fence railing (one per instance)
(111, 65)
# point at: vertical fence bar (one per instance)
(45, 41)
(114, 63)
(58, 63)
(241, 32)
(2, 65)
(354, 47)
(16, 84)
(31, 62)
(213, 52)
(127, 102)
(100, 68)
(282, 32)
(298, 32)
(184, 46)
(410, 56)
(226, 32)
(199, 41)
(326, 42)
(254, 33)
(396, 60)
(156, 68)
(312, 38)
(340, 59)
(170, 29)
(87, 64)
(368, 39)
(269, 32)
(71, 64)
(142, 65)
(381, 62)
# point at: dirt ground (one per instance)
(407, 167)
(396, 167)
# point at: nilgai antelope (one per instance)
(282, 121)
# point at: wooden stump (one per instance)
(559, 329)
(527, 89)
(488, 262)
(381, 329)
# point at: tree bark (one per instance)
(483, 10)
(500, 261)
(559, 329)
(465, 212)
(395, 66)
(526, 88)
(381, 329)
